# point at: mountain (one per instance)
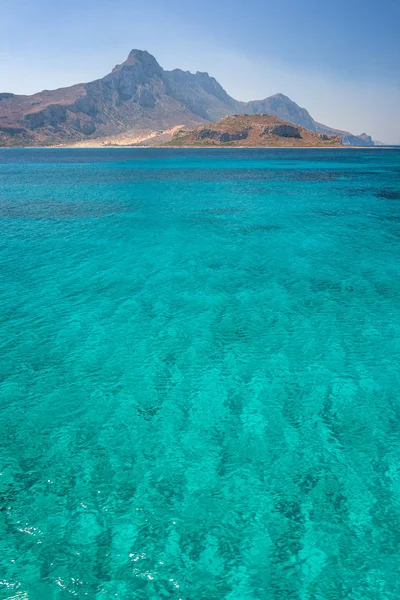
(282, 107)
(348, 139)
(254, 131)
(138, 98)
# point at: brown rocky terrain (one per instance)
(134, 102)
(252, 131)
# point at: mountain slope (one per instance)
(348, 139)
(252, 131)
(282, 107)
(133, 96)
(200, 93)
(138, 97)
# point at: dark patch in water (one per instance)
(360, 191)
(54, 209)
(290, 509)
(261, 190)
(207, 219)
(389, 194)
(369, 173)
(220, 211)
(330, 213)
(315, 175)
(260, 227)
(148, 413)
(390, 218)
(317, 285)
(308, 482)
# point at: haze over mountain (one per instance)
(138, 97)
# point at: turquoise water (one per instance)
(199, 374)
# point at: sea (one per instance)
(199, 374)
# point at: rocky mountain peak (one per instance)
(365, 137)
(140, 57)
(138, 78)
(282, 97)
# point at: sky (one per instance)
(340, 59)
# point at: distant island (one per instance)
(140, 102)
(252, 131)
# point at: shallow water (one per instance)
(199, 374)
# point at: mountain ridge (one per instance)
(137, 96)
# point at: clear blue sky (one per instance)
(338, 58)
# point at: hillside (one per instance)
(252, 131)
(135, 100)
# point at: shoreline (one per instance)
(162, 147)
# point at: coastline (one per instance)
(211, 147)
